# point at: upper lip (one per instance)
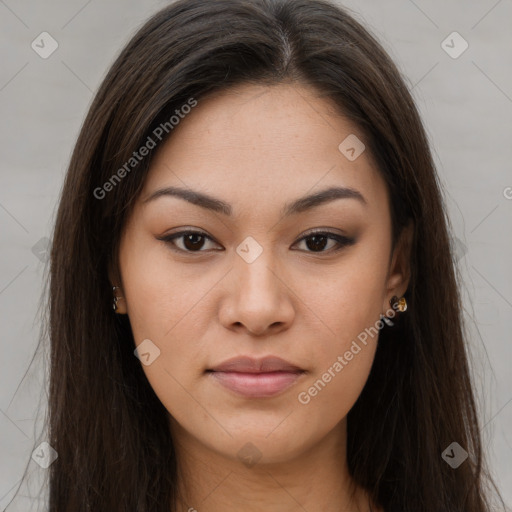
(246, 364)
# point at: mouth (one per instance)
(256, 378)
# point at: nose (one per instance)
(257, 298)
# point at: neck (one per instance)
(315, 479)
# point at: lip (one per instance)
(256, 378)
(245, 364)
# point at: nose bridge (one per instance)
(255, 270)
(258, 299)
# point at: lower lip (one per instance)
(257, 385)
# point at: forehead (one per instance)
(264, 143)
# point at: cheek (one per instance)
(329, 395)
(159, 293)
(165, 308)
(347, 298)
(349, 303)
(343, 361)
(168, 305)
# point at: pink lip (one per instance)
(256, 378)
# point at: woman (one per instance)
(252, 297)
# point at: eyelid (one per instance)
(321, 231)
(342, 240)
(178, 234)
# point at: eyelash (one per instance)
(342, 241)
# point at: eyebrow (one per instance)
(298, 206)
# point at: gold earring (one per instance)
(398, 304)
(116, 298)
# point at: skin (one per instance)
(259, 148)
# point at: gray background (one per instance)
(466, 104)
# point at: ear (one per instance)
(399, 272)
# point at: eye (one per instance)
(316, 241)
(191, 241)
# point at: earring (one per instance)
(398, 304)
(116, 298)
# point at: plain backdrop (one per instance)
(465, 98)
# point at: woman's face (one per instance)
(250, 284)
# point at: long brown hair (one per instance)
(110, 431)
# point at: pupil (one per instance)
(316, 244)
(191, 242)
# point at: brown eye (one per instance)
(187, 241)
(193, 241)
(315, 242)
(318, 241)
